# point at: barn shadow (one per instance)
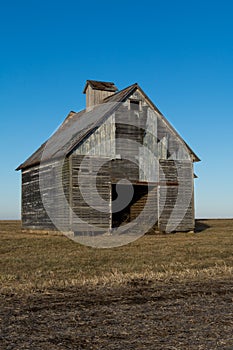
(201, 225)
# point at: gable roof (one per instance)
(83, 123)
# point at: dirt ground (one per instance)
(189, 315)
(161, 292)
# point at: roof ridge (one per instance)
(121, 91)
(100, 81)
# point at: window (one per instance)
(134, 105)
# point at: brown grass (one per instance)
(160, 292)
(40, 262)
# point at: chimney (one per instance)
(97, 91)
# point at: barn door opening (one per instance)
(131, 211)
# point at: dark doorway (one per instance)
(133, 209)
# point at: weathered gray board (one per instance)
(176, 195)
(55, 183)
(86, 174)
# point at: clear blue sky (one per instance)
(180, 52)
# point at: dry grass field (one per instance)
(160, 292)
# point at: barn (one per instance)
(116, 166)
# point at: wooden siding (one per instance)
(145, 195)
(95, 97)
(101, 143)
(34, 214)
(129, 134)
(101, 221)
(169, 193)
(145, 128)
(124, 169)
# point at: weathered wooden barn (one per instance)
(120, 135)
